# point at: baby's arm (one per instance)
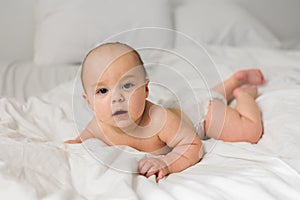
(87, 133)
(187, 150)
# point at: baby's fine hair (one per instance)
(112, 44)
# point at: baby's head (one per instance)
(115, 83)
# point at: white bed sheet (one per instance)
(35, 164)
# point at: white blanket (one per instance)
(35, 164)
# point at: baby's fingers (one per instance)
(153, 170)
(144, 166)
(73, 141)
(159, 176)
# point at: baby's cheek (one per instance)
(102, 112)
(136, 106)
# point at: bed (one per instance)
(42, 105)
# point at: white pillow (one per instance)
(67, 29)
(222, 23)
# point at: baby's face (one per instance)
(117, 93)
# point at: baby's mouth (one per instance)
(119, 112)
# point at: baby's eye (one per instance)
(127, 85)
(102, 91)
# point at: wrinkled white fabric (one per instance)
(36, 164)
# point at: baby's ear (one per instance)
(147, 87)
(86, 98)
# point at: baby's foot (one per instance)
(250, 76)
(251, 90)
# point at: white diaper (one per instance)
(194, 103)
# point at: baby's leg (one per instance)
(250, 76)
(242, 123)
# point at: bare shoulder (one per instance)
(155, 110)
(93, 127)
(171, 116)
(92, 124)
(175, 126)
(170, 119)
(160, 113)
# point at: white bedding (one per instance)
(21, 79)
(35, 164)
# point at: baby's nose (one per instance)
(117, 97)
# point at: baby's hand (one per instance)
(151, 166)
(76, 141)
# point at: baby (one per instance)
(116, 88)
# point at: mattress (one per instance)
(36, 164)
